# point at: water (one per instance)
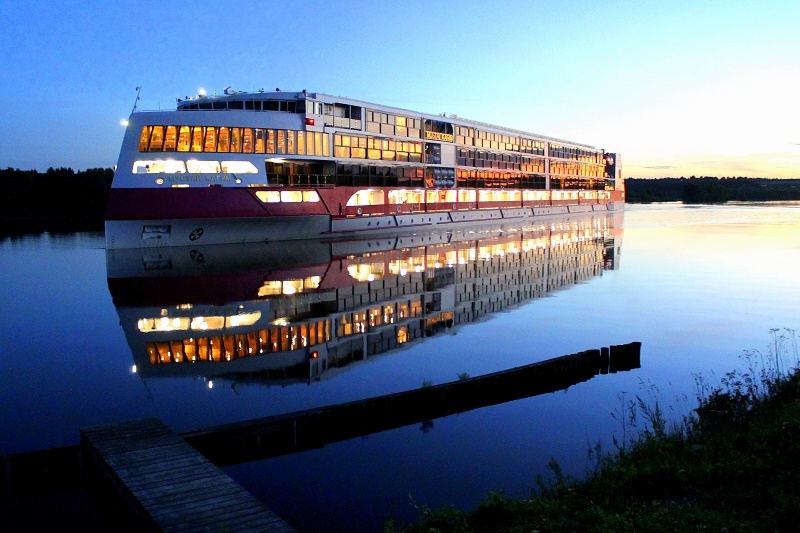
(696, 285)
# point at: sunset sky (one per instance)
(679, 88)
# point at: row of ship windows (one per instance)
(288, 106)
(577, 154)
(277, 339)
(577, 169)
(369, 197)
(192, 166)
(361, 321)
(298, 142)
(368, 175)
(391, 124)
(234, 140)
(358, 147)
(498, 141)
(229, 347)
(481, 158)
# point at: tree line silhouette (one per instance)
(57, 194)
(710, 190)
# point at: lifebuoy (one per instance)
(359, 211)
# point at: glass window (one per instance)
(170, 139)
(239, 167)
(158, 167)
(247, 140)
(281, 144)
(291, 196)
(223, 141)
(259, 141)
(318, 143)
(236, 140)
(202, 167)
(310, 143)
(144, 138)
(211, 140)
(157, 138)
(184, 139)
(197, 139)
(290, 136)
(270, 141)
(366, 197)
(301, 143)
(269, 196)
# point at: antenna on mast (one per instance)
(136, 102)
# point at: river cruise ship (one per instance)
(273, 166)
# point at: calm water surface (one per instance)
(696, 285)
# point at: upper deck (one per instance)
(300, 138)
(342, 112)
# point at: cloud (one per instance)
(661, 167)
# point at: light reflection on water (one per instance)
(696, 285)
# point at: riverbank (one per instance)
(710, 190)
(734, 465)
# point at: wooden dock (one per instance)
(170, 485)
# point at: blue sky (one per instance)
(678, 88)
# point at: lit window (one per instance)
(202, 167)
(269, 196)
(171, 139)
(246, 319)
(270, 288)
(366, 197)
(208, 322)
(239, 167)
(148, 325)
(292, 286)
(291, 196)
(184, 139)
(144, 138)
(158, 167)
(310, 196)
(157, 139)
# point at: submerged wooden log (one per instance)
(304, 430)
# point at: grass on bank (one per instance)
(732, 465)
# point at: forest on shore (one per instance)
(59, 194)
(710, 190)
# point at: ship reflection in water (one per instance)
(291, 312)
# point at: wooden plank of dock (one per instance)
(170, 485)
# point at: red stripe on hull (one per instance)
(211, 202)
